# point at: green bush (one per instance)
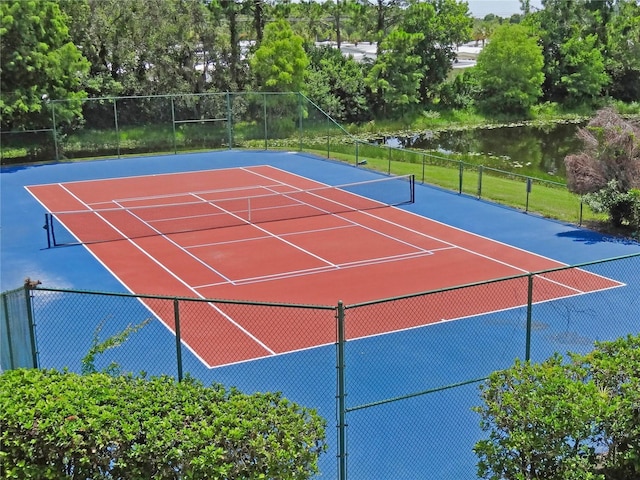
(561, 420)
(622, 207)
(56, 425)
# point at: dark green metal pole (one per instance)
(115, 119)
(527, 355)
(32, 326)
(7, 329)
(176, 314)
(229, 121)
(342, 425)
(173, 126)
(264, 108)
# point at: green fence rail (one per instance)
(171, 124)
(402, 389)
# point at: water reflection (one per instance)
(530, 150)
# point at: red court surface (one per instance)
(194, 236)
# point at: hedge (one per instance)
(59, 425)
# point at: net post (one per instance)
(47, 227)
(341, 394)
(413, 188)
(176, 315)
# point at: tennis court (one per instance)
(270, 226)
(264, 234)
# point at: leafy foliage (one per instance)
(509, 71)
(443, 25)
(39, 61)
(608, 168)
(395, 75)
(561, 420)
(61, 425)
(585, 76)
(336, 84)
(98, 347)
(280, 61)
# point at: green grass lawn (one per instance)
(548, 199)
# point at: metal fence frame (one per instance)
(339, 312)
(260, 116)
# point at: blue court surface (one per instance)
(428, 436)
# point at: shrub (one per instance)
(563, 420)
(58, 425)
(622, 207)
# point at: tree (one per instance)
(607, 170)
(571, 419)
(585, 76)
(63, 425)
(280, 61)
(444, 24)
(623, 51)
(541, 419)
(337, 85)
(615, 368)
(509, 71)
(556, 23)
(39, 62)
(395, 75)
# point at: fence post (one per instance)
(581, 205)
(480, 169)
(460, 171)
(527, 354)
(264, 112)
(7, 329)
(115, 119)
(229, 121)
(173, 125)
(529, 183)
(32, 326)
(176, 315)
(357, 153)
(328, 136)
(300, 115)
(55, 132)
(342, 426)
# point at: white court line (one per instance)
(160, 234)
(341, 266)
(404, 227)
(153, 259)
(324, 260)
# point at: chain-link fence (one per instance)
(416, 388)
(170, 124)
(404, 398)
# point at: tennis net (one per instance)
(171, 214)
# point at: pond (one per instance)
(532, 150)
